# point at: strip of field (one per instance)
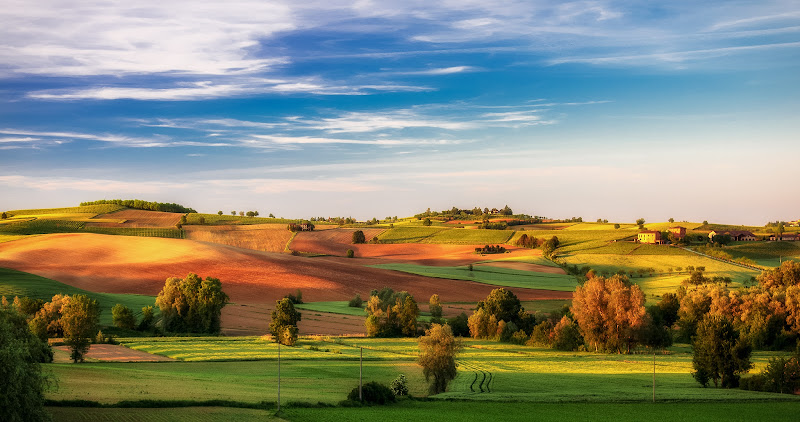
(577, 240)
(768, 254)
(342, 307)
(181, 414)
(227, 219)
(469, 237)
(492, 275)
(260, 237)
(114, 353)
(408, 234)
(137, 218)
(11, 237)
(22, 284)
(334, 242)
(92, 209)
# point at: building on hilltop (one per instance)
(650, 236)
(678, 232)
(786, 237)
(736, 235)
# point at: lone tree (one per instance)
(22, 387)
(435, 308)
(191, 304)
(719, 353)
(438, 349)
(640, 223)
(283, 325)
(80, 318)
(610, 313)
(358, 237)
(123, 317)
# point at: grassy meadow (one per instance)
(495, 276)
(18, 283)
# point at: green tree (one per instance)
(192, 304)
(438, 349)
(435, 307)
(671, 220)
(503, 304)
(640, 223)
(283, 323)
(148, 318)
(427, 222)
(80, 318)
(358, 237)
(719, 354)
(23, 384)
(391, 314)
(219, 213)
(3, 216)
(616, 225)
(123, 317)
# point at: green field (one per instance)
(469, 237)
(47, 226)
(18, 283)
(491, 275)
(227, 218)
(577, 240)
(342, 307)
(408, 234)
(488, 371)
(768, 254)
(91, 209)
(181, 414)
(11, 237)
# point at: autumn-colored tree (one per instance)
(47, 321)
(478, 324)
(609, 313)
(787, 274)
(391, 314)
(80, 317)
(438, 349)
(435, 308)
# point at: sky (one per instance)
(600, 109)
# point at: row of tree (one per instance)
(142, 205)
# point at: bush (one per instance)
(460, 325)
(373, 393)
(123, 316)
(399, 387)
(147, 319)
(350, 253)
(356, 302)
(358, 237)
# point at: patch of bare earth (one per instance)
(139, 218)
(116, 353)
(259, 237)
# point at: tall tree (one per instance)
(438, 349)
(719, 353)
(609, 312)
(283, 323)
(80, 318)
(123, 317)
(435, 307)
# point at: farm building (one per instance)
(736, 235)
(786, 237)
(650, 236)
(678, 232)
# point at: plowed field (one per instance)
(139, 218)
(122, 264)
(334, 242)
(260, 237)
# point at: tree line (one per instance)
(142, 205)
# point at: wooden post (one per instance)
(654, 375)
(360, 374)
(279, 376)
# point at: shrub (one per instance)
(519, 337)
(123, 316)
(399, 387)
(350, 253)
(358, 237)
(147, 319)
(459, 324)
(356, 302)
(373, 393)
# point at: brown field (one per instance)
(139, 218)
(110, 353)
(123, 264)
(329, 242)
(259, 237)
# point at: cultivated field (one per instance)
(334, 242)
(137, 218)
(260, 237)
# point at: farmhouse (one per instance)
(736, 235)
(678, 232)
(650, 236)
(786, 237)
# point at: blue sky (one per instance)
(599, 109)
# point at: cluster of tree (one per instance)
(767, 315)
(356, 301)
(489, 225)
(457, 213)
(526, 241)
(781, 375)
(123, 317)
(21, 354)
(142, 205)
(391, 314)
(74, 318)
(245, 213)
(296, 298)
(568, 220)
(283, 322)
(549, 246)
(490, 249)
(298, 227)
(719, 353)
(191, 304)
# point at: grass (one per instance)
(46, 226)
(577, 240)
(18, 283)
(539, 260)
(11, 237)
(457, 411)
(491, 275)
(181, 414)
(469, 237)
(768, 254)
(408, 234)
(92, 209)
(341, 307)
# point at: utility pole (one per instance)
(654, 375)
(279, 376)
(360, 374)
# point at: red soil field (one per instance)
(139, 218)
(259, 237)
(126, 264)
(115, 353)
(330, 242)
